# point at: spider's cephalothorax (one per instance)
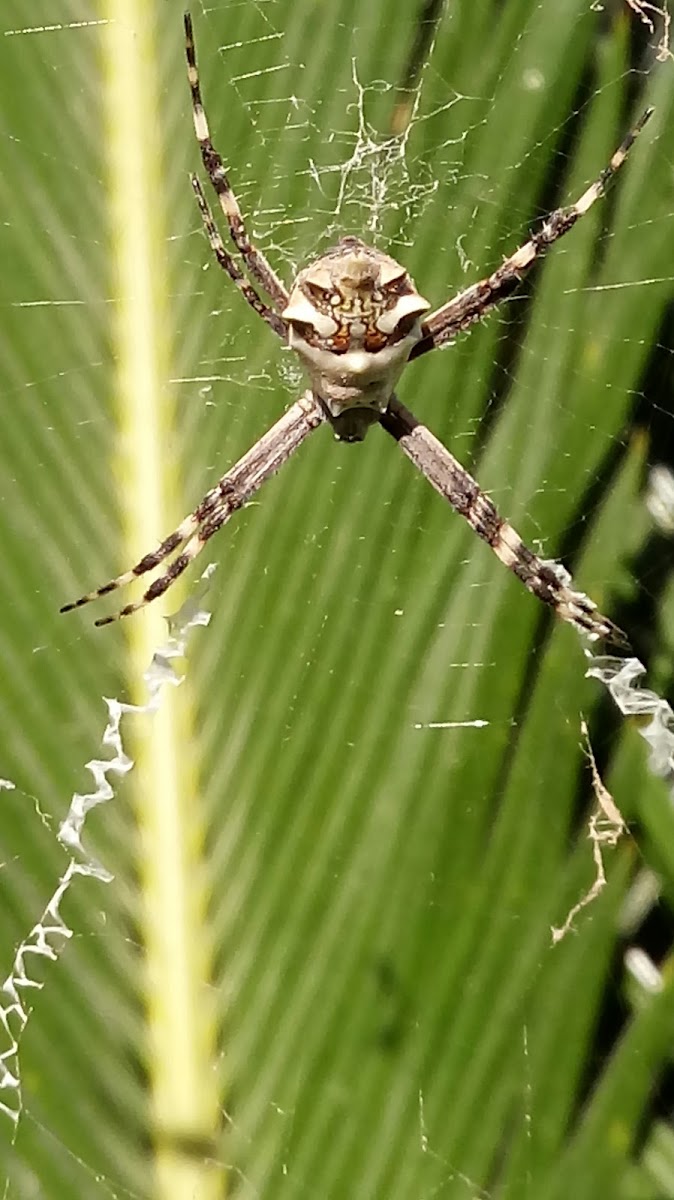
(354, 316)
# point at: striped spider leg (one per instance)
(230, 493)
(547, 581)
(470, 305)
(354, 318)
(229, 265)
(255, 261)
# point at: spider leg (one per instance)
(253, 258)
(186, 530)
(468, 306)
(147, 563)
(160, 585)
(549, 582)
(228, 495)
(228, 264)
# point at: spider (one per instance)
(355, 318)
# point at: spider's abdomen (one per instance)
(354, 316)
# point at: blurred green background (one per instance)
(374, 1005)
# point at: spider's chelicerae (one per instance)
(355, 318)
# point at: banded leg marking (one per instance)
(213, 164)
(470, 305)
(548, 582)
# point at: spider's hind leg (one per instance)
(470, 305)
(213, 164)
(228, 264)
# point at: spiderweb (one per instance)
(372, 903)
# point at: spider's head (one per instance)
(354, 315)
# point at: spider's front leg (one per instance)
(230, 493)
(549, 582)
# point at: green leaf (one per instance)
(325, 964)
